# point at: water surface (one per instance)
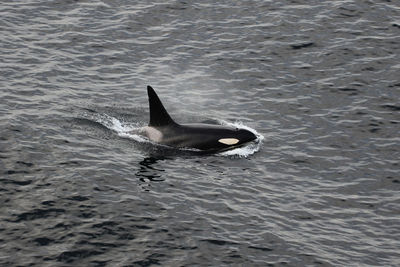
(319, 80)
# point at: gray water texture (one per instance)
(318, 79)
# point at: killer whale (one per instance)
(164, 130)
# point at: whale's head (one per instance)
(237, 137)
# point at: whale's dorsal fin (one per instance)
(158, 115)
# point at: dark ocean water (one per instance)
(319, 80)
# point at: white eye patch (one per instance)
(229, 141)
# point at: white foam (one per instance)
(127, 130)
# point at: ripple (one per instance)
(318, 81)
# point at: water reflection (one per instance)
(148, 173)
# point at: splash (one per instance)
(123, 129)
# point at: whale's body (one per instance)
(206, 137)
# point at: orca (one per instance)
(164, 130)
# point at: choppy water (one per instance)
(319, 80)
